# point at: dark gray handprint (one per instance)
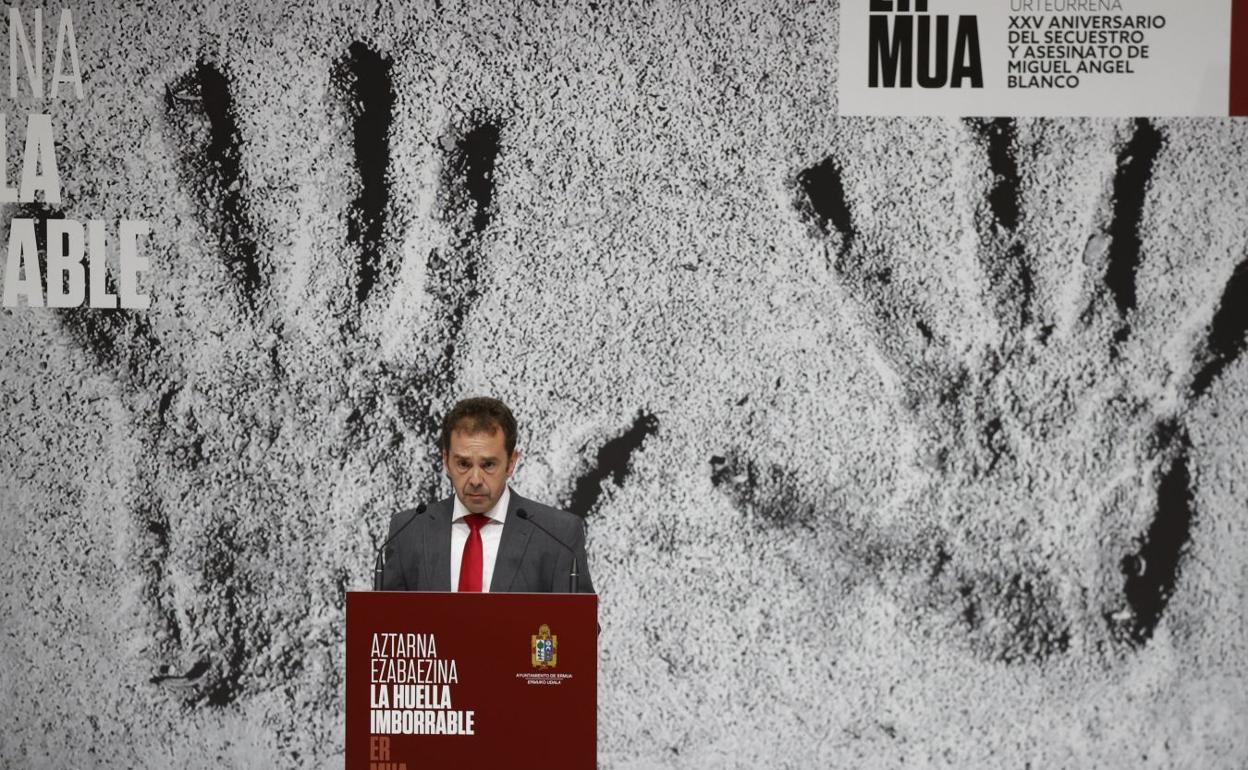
(221, 403)
(1035, 382)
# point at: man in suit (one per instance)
(484, 537)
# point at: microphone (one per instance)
(573, 577)
(377, 563)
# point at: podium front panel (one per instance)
(471, 680)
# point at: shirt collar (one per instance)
(497, 513)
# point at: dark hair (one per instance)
(479, 415)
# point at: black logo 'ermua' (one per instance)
(909, 48)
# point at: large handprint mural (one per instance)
(899, 441)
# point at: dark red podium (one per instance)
(471, 680)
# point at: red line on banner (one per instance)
(1239, 58)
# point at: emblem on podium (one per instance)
(545, 648)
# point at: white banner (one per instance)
(1100, 58)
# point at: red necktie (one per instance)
(470, 565)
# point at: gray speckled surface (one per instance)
(893, 452)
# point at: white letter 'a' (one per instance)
(65, 36)
(40, 152)
(21, 271)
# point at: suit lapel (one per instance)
(511, 547)
(437, 550)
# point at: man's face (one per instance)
(478, 467)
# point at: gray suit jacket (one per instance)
(529, 560)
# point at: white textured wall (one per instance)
(872, 418)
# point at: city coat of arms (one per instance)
(545, 648)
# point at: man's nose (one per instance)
(474, 477)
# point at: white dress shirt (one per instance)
(491, 534)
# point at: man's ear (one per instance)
(511, 463)
(446, 463)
